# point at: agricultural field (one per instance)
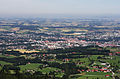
(30, 66)
(49, 69)
(8, 56)
(24, 50)
(5, 63)
(94, 77)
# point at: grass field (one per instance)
(91, 75)
(32, 66)
(0, 67)
(56, 61)
(114, 61)
(94, 77)
(59, 75)
(52, 69)
(49, 69)
(98, 73)
(11, 56)
(94, 57)
(85, 60)
(4, 63)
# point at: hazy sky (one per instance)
(74, 7)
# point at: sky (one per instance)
(65, 7)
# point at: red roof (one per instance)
(93, 70)
(73, 52)
(101, 70)
(110, 53)
(107, 75)
(83, 70)
(96, 70)
(118, 52)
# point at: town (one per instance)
(25, 34)
(59, 48)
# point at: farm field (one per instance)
(5, 63)
(31, 66)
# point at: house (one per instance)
(93, 70)
(96, 70)
(107, 75)
(117, 52)
(28, 63)
(88, 70)
(95, 66)
(103, 63)
(101, 69)
(73, 52)
(83, 70)
(110, 54)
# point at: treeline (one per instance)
(81, 50)
(69, 56)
